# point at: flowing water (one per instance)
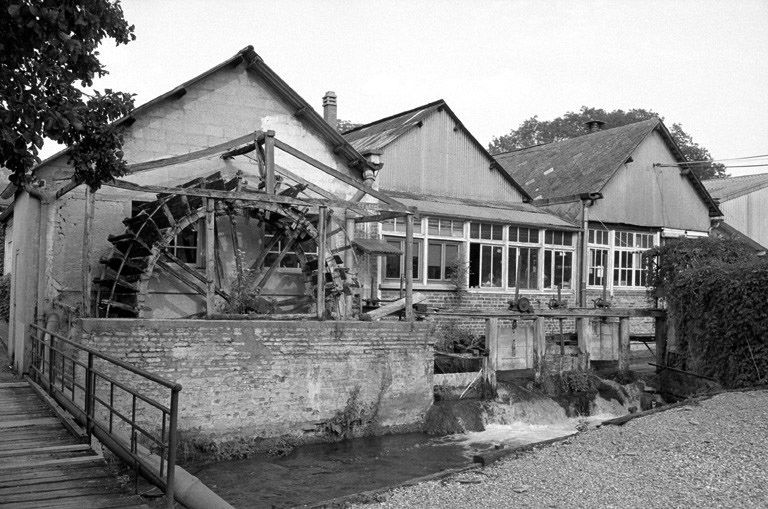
(313, 473)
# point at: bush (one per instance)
(717, 297)
(5, 297)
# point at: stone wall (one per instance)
(245, 381)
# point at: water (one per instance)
(313, 473)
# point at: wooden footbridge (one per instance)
(49, 419)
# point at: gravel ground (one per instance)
(712, 454)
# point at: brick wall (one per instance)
(246, 380)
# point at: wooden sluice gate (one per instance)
(521, 344)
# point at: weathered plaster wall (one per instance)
(228, 104)
(244, 380)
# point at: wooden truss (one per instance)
(280, 199)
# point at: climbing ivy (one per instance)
(5, 297)
(717, 296)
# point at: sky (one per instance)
(703, 64)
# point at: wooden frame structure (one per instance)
(281, 198)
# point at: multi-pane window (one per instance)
(445, 227)
(519, 234)
(398, 225)
(486, 231)
(598, 237)
(185, 246)
(442, 260)
(598, 259)
(523, 267)
(485, 265)
(558, 268)
(558, 238)
(290, 259)
(394, 266)
(628, 268)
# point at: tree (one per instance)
(535, 132)
(345, 125)
(48, 58)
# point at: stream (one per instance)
(317, 472)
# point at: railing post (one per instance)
(89, 396)
(169, 495)
(51, 357)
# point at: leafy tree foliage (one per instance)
(48, 57)
(535, 132)
(345, 125)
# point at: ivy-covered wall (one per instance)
(717, 295)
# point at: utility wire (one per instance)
(675, 165)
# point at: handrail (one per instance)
(113, 360)
(74, 384)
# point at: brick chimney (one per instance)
(329, 109)
(594, 125)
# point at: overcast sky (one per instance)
(700, 63)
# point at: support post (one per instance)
(210, 255)
(321, 226)
(660, 334)
(584, 265)
(409, 267)
(624, 349)
(539, 345)
(269, 156)
(492, 344)
(349, 259)
(90, 205)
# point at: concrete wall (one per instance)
(249, 380)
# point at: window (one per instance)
(485, 263)
(291, 259)
(445, 227)
(185, 246)
(598, 259)
(523, 266)
(393, 263)
(398, 225)
(558, 268)
(486, 231)
(558, 238)
(628, 269)
(529, 235)
(598, 237)
(441, 260)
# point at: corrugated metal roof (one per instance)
(517, 213)
(377, 135)
(579, 165)
(725, 189)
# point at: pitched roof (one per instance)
(724, 189)
(586, 163)
(254, 63)
(374, 136)
(579, 165)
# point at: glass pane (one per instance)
(433, 226)
(512, 234)
(547, 269)
(533, 271)
(434, 259)
(486, 266)
(498, 255)
(474, 230)
(548, 236)
(485, 231)
(388, 225)
(567, 239)
(533, 236)
(474, 265)
(567, 260)
(592, 236)
(498, 232)
(392, 261)
(416, 255)
(451, 259)
(512, 267)
(457, 228)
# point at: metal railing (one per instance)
(69, 373)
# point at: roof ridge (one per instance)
(656, 118)
(422, 107)
(723, 179)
